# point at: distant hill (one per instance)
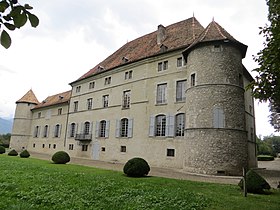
(6, 125)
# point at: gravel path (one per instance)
(270, 170)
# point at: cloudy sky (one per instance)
(73, 36)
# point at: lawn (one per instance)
(38, 184)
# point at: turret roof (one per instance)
(215, 32)
(29, 97)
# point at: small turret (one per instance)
(22, 121)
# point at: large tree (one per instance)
(12, 16)
(266, 86)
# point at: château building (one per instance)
(174, 97)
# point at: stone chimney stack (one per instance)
(161, 34)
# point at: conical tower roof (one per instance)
(215, 32)
(29, 97)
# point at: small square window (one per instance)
(84, 148)
(103, 149)
(107, 80)
(128, 75)
(217, 48)
(71, 146)
(179, 62)
(91, 85)
(34, 145)
(78, 89)
(123, 148)
(170, 153)
(39, 115)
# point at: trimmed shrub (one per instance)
(13, 153)
(60, 157)
(255, 183)
(265, 158)
(24, 154)
(136, 167)
(2, 150)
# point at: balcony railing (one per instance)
(83, 137)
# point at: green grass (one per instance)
(38, 184)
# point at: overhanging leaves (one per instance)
(33, 19)
(5, 39)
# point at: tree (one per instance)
(266, 86)
(14, 16)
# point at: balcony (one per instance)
(83, 137)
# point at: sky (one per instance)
(74, 36)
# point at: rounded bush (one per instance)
(265, 158)
(136, 167)
(255, 183)
(2, 150)
(61, 157)
(13, 153)
(24, 154)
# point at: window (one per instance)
(103, 149)
(179, 62)
(76, 104)
(84, 148)
(219, 118)
(78, 89)
(107, 81)
(43, 145)
(71, 146)
(105, 101)
(86, 128)
(39, 114)
(128, 75)
(123, 148)
(124, 127)
(50, 145)
(126, 99)
(34, 145)
(180, 124)
(161, 93)
(57, 130)
(180, 90)
(193, 80)
(46, 131)
(170, 153)
(37, 131)
(163, 66)
(217, 48)
(54, 146)
(160, 125)
(72, 129)
(91, 85)
(89, 103)
(102, 129)
(59, 111)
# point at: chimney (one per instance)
(161, 34)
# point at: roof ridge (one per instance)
(28, 97)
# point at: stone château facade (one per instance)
(175, 97)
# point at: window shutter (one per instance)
(170, 126)
(69, 130)
(59, 130)
(107, 128)
(97, 129)
(90, 127)
(48, 131)
(221, 118)
(76, 129)
(130, 128)
(54, 128)
(152, 126)
(81, 128)
(117, 128)
(34, 132)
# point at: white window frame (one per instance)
(180, 90)
(161, 97)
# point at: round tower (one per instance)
(216, 139)
(22, 121)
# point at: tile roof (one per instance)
(214, 32)
(178, 35)
(55, 99)
(29, 97)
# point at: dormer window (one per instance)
(125, 59)
(163, 48)
(217, 48)
(61, 97)
(100, 68)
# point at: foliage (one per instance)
(37, 184)
(13, 16)
(136, 167)
(266, 86)
(2, 150)
(255, 183)
(265, 158)
(61, 157)
(24, 154)
(5, 139)
(13, 153)
(270, 145)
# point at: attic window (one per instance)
(125, 60)
(44, 101)
(217, 48)
(163, 48)
(100, 68)
(61, 97)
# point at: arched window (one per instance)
(37, 131)
(180, 124)
(46, 129)
(72, 129)
(160, 125)
(86, 128)
(124, 127)
(56, 130)
(102, 128)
